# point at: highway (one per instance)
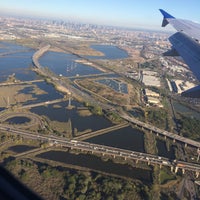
(156, 130)
(101, 131)
(20, 82)
(39, 53)
(106, 150)
(43, 103)
(90, 75)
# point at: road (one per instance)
(156, 130)
(101, 131)
(91, 75)
(43, 103)
(38, 54)
(106, 150)
(20, 82)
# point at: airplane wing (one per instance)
(192, 29)
(185, 43)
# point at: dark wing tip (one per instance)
(165, 14)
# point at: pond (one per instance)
(18, 120)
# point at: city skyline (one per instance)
(128, 13)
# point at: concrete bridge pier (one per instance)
(157, 134)
(69, 103)
(137, 161)
(160, 166)
(174, 140)
(165, 137)
(198, 152)
(183, 171)
(198, 158)
(197, 174)
(185, 145)
(172, 168)
(176, 169)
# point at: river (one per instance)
(93, 162)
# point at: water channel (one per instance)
(126, 138)
(163, 151)
(96, 163)
(21, 148)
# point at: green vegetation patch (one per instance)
(113, 117)
(165, 176)
(157, 117)
(190, 127)
(63, 183)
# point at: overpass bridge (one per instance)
(101, 131)
(39, 53)
(159, 131)
(43, 103)
(20, 82)
(91, 75)
(107, 150)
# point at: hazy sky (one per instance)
(129, 13)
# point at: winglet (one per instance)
(165, 14)
(165, 17)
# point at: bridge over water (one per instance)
(158, 131)
(20, 82)
(101, 131)
(44, 103)
(107, 150)
(91, 75)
